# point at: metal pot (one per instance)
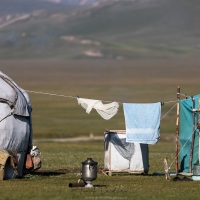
(196, 170)
(89, 170)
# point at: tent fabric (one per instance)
(186, 130)
(11, 92)
(15, 129)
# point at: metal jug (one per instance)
(89, 171)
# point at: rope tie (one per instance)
(9, 114)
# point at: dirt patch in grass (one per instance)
(163, 137)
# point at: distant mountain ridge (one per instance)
(114, 29)
(73, 2)
(21, 6)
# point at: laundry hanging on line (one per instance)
(142, 122)
(75, 97)
(106, 111)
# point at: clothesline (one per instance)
(75, 97)
(61, 95)
(45, 93)
(110, 115)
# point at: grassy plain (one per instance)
(53, 116)
(62, 165)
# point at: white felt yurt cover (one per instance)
(120, 156)
(15, 119)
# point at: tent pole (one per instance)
(177, 128)
(193, 134)
(198, 125)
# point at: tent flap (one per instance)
(14, 96)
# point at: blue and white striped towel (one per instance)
(142, 122)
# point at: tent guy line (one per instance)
(168, 111)
(9, 114)
(181, 149)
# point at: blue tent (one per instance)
(188, 126)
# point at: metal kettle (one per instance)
(89, 171)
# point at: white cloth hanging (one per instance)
(106, 111)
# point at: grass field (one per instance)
(57, 117)
(62, 165)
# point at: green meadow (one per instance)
(62, 165)
(58, 115)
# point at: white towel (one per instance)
(106, 111)
(142, 122)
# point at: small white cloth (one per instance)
(106, 111)
(35, 151)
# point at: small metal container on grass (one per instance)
(196, 170)
(89, 171)
(196, 173)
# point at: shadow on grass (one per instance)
(51, 172)
(135, 174)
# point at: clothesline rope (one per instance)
(61, 95)
(45, 93)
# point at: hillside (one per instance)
(109, 29)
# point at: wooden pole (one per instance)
(193, 134)
(177, 129)
(198, 118)
(198, 125)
